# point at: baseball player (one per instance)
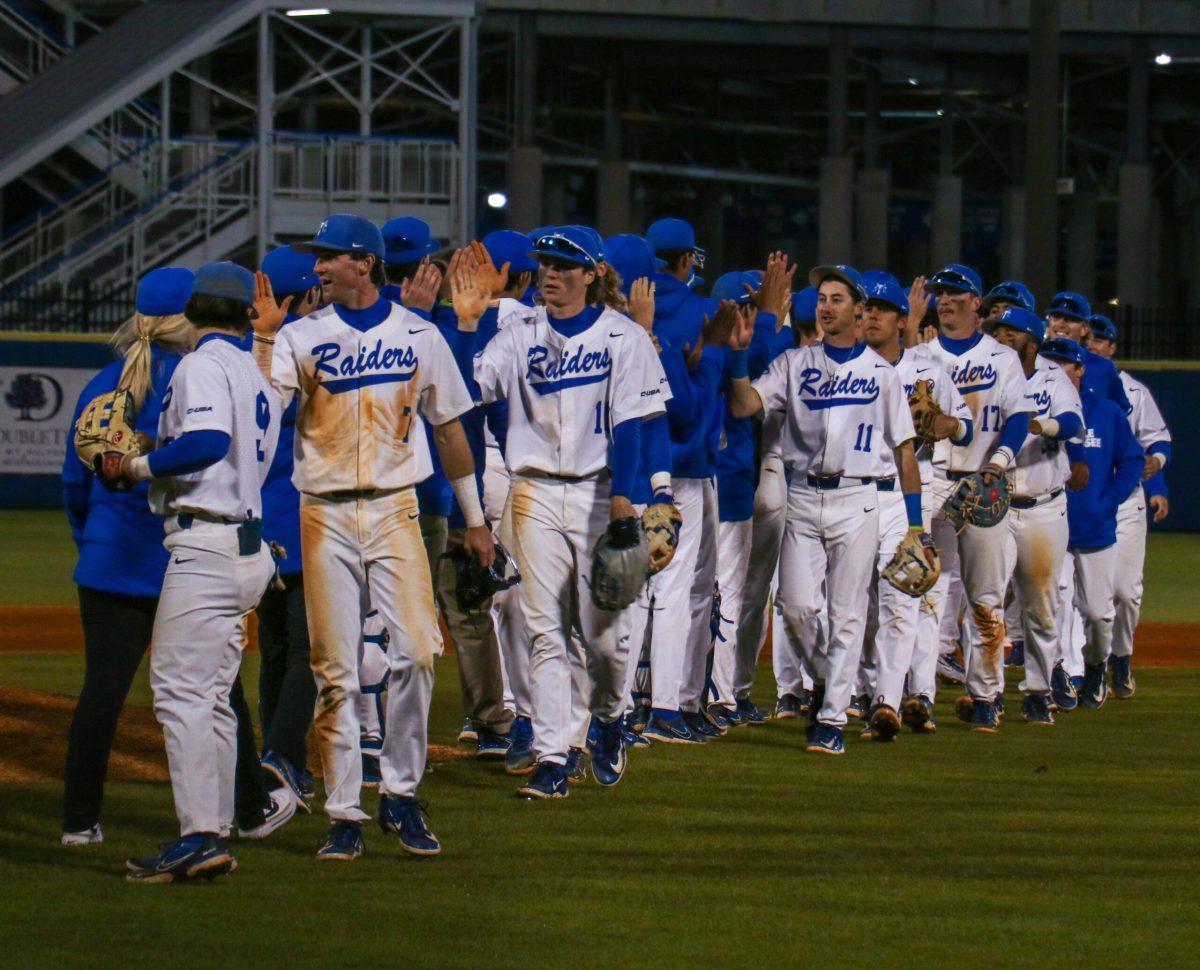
(990, 378)
(218, 430)
(1151, 431)
(365, 370)
(1115, 463)
(579, 379)
(1067, 316)
(844, 406)
(1010, 293)
(1036, 524)
(893, 642)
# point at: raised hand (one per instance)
(420, 292)
(270, 315)
(468, 294)
(494, 280)
(641, 303)
(743, 329)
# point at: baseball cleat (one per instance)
(280, 807)
(576, 764)
(964, 709)
(860, 706)
(826, 739)
(1123, 684)
(998, 701)
(1016, 656)
(519, 759)
(701, 726)
(344, 842)
(788, 706)
(719, 715)
(669, 727)
(549, 781)
(884, 723)
(638, 718)
(1077, 681)
(92, 836)
(749, 714)
(1035, 709)
(1095, 685)
(489, 744)
(983, 717)
(608, 755)
(950, 669)
(631, 738)
(372, 775)
(917, 713)
(198, 856)
(815, 703)
(1062, 691)
(283, 771)
(405, 817)
(806, 699)
(468, 734)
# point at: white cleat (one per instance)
(281, 807)
(92, 836)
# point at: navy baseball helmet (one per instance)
(1010, 291)
(572, 244)
(631, 256)
(1018, 318)
(1070, 305)
(342, 233)
(1102, 327)
(512, 247)
(883, 287)
(958, 277)
(1064, 349)
(732, 286)
(408, 239)
(841, 272)
(290, 271)
(164, 292)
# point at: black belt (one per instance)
(885, 484)
(829, 482)
(350, 494)
(187, 519)
(958, 476)
(1022, 502)
(249, 531)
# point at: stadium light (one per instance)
(1163, 59)
(913, 81)
(309, 12)
(497, 200)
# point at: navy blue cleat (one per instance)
(750, 714)
(549, 781)
(468, 733)
(1123, 684)
(405, 817)
(631, 738)
(519, 759)
(999, 702)
(344, 843)
(950, 669)
(576, 764)
(719, 715)
(788, 706)
(608, 754)
(284, 772)
(701, 726)
(1036, 710)
(668, 727)
(983, 717)
(1095, 685)
(860, 706)
(489, 744)
(825, 739)
(1062, 691)
(200, 855)
(1016, 656)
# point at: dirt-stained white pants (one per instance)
(1131, 564)
(1095, 573)
(733, 566)
(360, 553)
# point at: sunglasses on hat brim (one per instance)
(560, 247)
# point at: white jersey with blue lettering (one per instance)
(361, 392)
(1145, 419)
(840, 417)
(219, 387)
(915, 364)
(991, 380)
(565, 394)
(1042, 464)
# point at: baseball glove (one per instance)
(620, 564)
(925, 410)
(916, 566)
(661, 523)
(981, 499)
(475, 586)
(104, 434)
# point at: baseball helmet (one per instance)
(1010, 291)
(474, 585)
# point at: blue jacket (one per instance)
(1115, 461)
(120, 540)
(1101, 378)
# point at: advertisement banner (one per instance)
(36, 406)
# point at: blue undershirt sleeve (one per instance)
(626, 456)
(1016, 430)
(496, 416)
(656, 445)
(1069, 425)
(190, 452)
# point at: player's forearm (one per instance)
(743, 399)
(656, 452)
(191, 452)
(455, 452)
(263, 349)
(1160, 450)
(910, 483)
(1016, 430)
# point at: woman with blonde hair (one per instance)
(121, 555)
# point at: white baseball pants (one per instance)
(733, 569)
(1095, 573)
(359, 552)
(898, 613)
(196, 650)
(372, 678)
(940, 604)
(1131, 564)
(831, 536)
(984, 566)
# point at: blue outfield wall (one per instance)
(40, 381)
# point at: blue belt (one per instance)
(1021, 502)
(829, 482)
(885, 484)
(249, 531)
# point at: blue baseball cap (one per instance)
(732, 286)
(883, 287)
(573, 244)
(1064, 348)
(631, 256)
(957, 276)
(670, 234)
(804, 304)
(536, 234)
(407, 240)
(1070, 305)
(345, 234)
(1018, 318)
(1010, 291)
(846, 274)
(164, 292)
(512, 247)
(290, 271)
(1102, 327)
(226, 280)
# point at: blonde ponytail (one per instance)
(133, 339)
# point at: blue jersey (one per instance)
(1115, 461)
(120, 540)
(1101, 378)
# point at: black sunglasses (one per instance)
(561, 246)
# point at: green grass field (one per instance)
(1036, 846)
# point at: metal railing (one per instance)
(346, 168)
(79, 308)
(1158, 333)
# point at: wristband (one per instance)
(263, 340)
(467, 496)
(1049, 426)
(960, 432)
(739, 364)
(660, 482)
(139, 468)
(912, 508)
(1001, 458)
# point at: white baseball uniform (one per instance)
(218, 571)
(840, 417)
(565, 394)
(360, 449)
(991, 380)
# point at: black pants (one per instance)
(287, 690)
(116, 635)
